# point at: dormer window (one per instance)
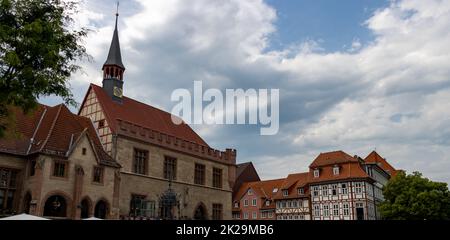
(275, 190)
(316, 173)
(336, 170)
(301, 191)
(285, 193)
(236, 204)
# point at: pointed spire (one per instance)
(114, 55)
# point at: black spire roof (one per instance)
(114, 56)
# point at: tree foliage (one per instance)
(413, 197)
(38, 52)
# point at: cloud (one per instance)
(391, 94)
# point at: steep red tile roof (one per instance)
(349, 170)
(262, 189)
(54, 130)
(143, 115)
(292, 183)
(330, 158)
(374, 157)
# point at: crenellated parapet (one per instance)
(132, 130)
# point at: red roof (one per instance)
(374, 157)
(51, 130)
(292, 183)
(330, 158)
(143, 115)
(261, 189)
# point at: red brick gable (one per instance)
(143, 115)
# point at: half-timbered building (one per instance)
(292, 201)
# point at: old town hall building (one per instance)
(117, 159)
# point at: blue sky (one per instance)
(353, 75)
(335, 23)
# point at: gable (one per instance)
(92, 109)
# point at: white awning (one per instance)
(24, 216)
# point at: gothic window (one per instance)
(199, 177)
(217, 211)
(170, 168)
(217, 177)
(7, 189)
(140, 161)
(59, 168)
(98, 174)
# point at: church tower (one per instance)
(113, 68)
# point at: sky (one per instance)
(354, 75)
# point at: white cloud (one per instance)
(392, 94)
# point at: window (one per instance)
(236, 204)
(336, 170)
(199, 177)
(59, 169)
(346, 211)
(267, 203)
(217, 211)
(300, 203)
(140, 161)
(288, 204)
(316, 210)
(101, 123)
(136, 205)
(344, 188)
(217, 177)
(246, 203)
(315, 191)
(250, 192)
(325, 190)
(283, 204)
(83, 151)
(32, 167)
(301, 191)
(246, 215)
(254, 202)
(98, 175)
(285, 193)
(358, 188)
(255, 215)
(326, 210)
(270, 215)
(316, 173)
(263, 214)
(170, 168)
(336, 209)
(334, 189)
(275, 190)
(139, 207)
(7, 189)
(294, 204)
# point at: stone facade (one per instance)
(75, 186)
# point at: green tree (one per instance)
(39, 48)
(413, 197)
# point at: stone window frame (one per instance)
(146, 160)
(66, 169)
(102, 177)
